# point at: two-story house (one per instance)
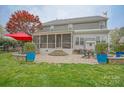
(72, 34)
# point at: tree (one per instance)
(121, 31)
(23, 21)
(115, 37)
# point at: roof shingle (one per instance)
(75, 20)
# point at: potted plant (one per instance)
(119, 49)
(29, 49)
(101, 51)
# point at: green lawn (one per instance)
(14, 74)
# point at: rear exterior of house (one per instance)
(72, 34)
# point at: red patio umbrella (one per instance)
(22, 36)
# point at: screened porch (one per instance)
(53, 40)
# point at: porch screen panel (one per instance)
(36, 40)
(58, 41)
(66, 41)
(51, 41)
(43, 41)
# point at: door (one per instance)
(90, 45)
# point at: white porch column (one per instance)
(39, 41)
(47, 41)
(71, 41)
(61, 39)
(55, 40)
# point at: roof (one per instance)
(75, 20)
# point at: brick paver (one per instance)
(64, 59)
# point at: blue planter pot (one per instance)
(118, 54)
(102, 58)
(30, 56)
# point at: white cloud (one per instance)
(51, 12)
(75, 11)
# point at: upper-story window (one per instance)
(51, 28)
(97, 39)
(70, 27)
(102, 24)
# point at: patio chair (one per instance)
(84, 53)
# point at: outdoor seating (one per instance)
(87, 53)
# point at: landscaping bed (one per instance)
(58, 53)
(13, 74)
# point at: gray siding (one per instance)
(86, 26)
(61, 28)
(77, 26)
(46, 28)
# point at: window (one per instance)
(51, 28)
(70, 27)
(81, 41)
(102, 25)
(103, 39)
(77, 41)
(98, 39)
(90, 44)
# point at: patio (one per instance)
(73, 58)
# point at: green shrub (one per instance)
(29, 47)
(119, 48)
(101, 48)
(8, 41)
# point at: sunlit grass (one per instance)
(14, 74)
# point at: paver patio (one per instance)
(73, 58)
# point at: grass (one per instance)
(13, 74)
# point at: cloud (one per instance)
(61, 12)
(52, 12)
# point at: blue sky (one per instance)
(51, 12)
